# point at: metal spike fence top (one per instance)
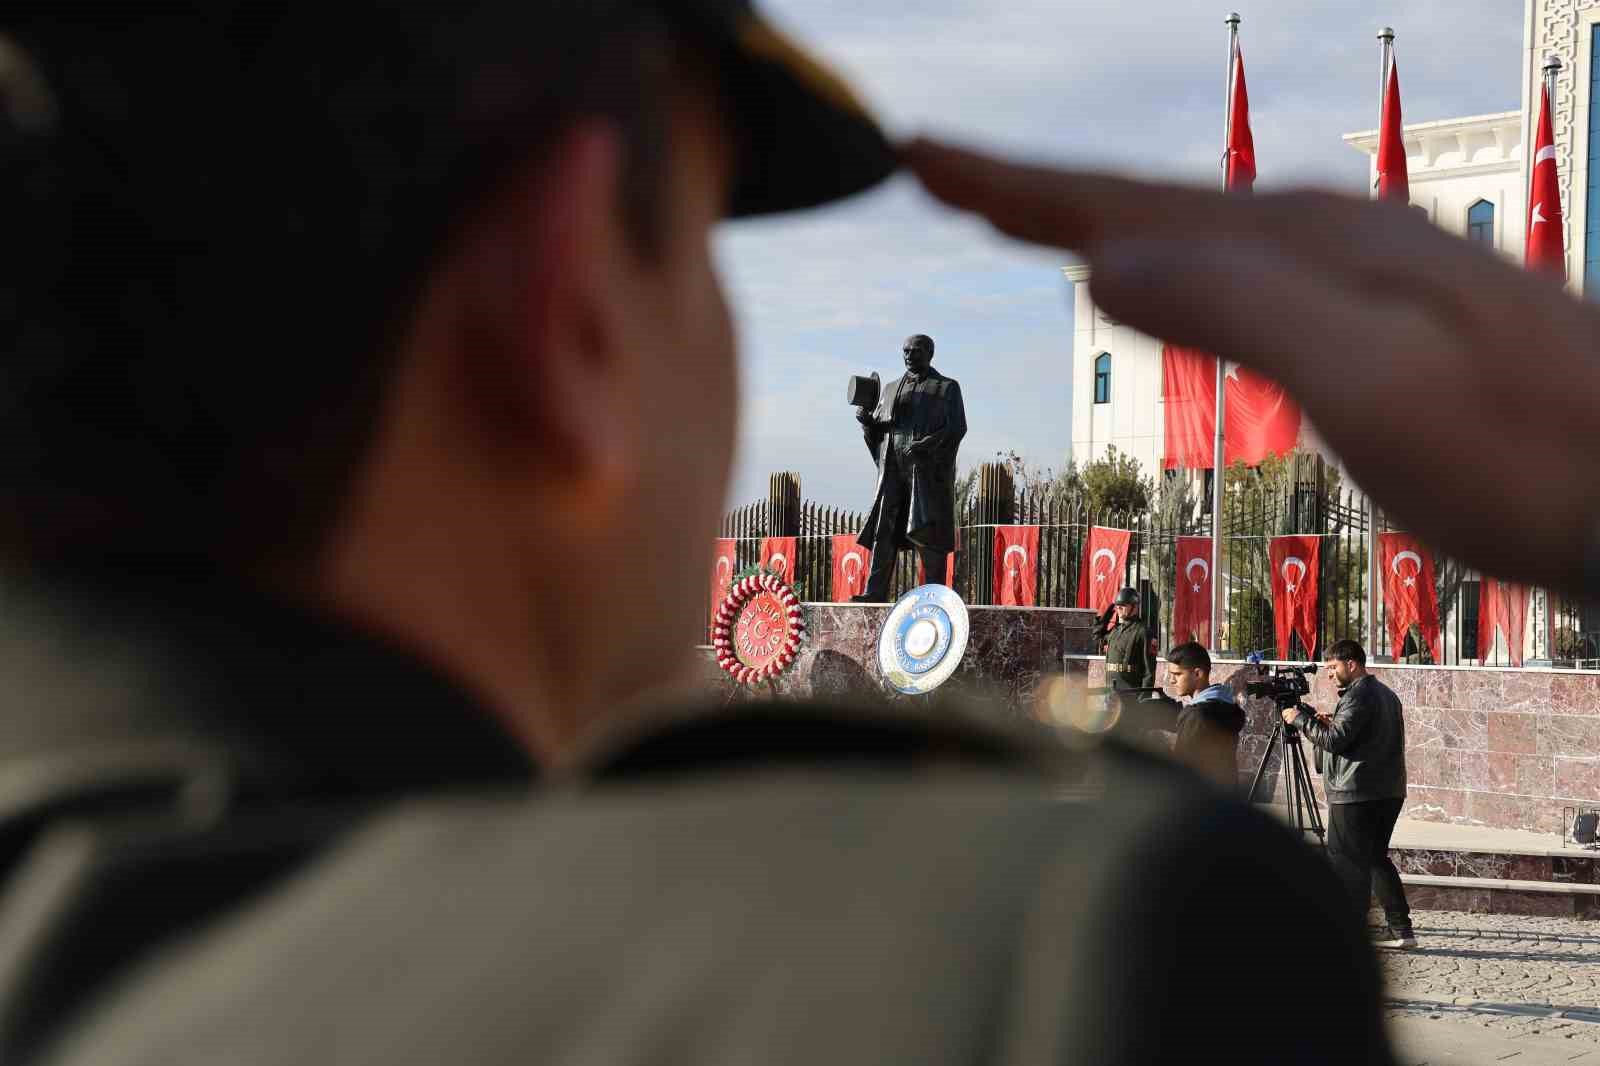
(1304, 503)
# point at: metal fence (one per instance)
(1561, 633)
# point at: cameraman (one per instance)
(1365, 778)
(1210, 723)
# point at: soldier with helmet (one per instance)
(1130, 660)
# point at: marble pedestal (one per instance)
(1010, 651)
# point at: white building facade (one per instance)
(1466, 175)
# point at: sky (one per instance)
(1110, 84)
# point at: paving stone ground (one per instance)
(1512, 975)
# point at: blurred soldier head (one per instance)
(1127, 604)
(406, 311)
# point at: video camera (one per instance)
(1283, 685)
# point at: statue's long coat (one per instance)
(933, 409)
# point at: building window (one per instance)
(1102, 378)
(1480, 223)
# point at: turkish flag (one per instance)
(1505, 605)
(1191, 606)
(1105, 560)
(1241, 168)
(778, 556)
(723, 566)
(1016, 566)
(949, 570)
(1545, 252)
(1393, 181)
(1296, 567)
(1261, 417)
(1408, 591)
(851, 562)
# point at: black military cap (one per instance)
(1127, 597)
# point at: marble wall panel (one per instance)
(1474, 690)
(1463, 729)
(1422, 766)
(1502, 771)
(1403, 682)
(1435, 804)
(1536, 775)
(1569, 735)
(1577, 694)
(1463, 769)
(1422, 728)
(1434, 688)
(1513, 732)
(1577, 870)
(1525, 690)
(1577, 780)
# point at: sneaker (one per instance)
(1402, 939)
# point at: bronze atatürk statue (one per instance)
(913, 432)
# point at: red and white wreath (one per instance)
(758, 629)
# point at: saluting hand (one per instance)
(1387, 330)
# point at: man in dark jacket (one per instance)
(913, 435)
(1210, 723)
(1365, 778)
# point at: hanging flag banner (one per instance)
(723, 566)
(1394, 183)
(949, 570)
(1241, 164)
(1545, 252)
(1408, 592)
(1504, 606)
(1191, 603)
(851, 563)
(1016, 566)
(1105, 560)
(778, 557)
(1260, 417)
(1296, 569)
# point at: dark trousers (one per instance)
(1358, 847)
(891, 531)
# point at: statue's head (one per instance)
(918, 352)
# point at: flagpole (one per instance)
(1385, 58)
(1218, 471)
(1552, 68)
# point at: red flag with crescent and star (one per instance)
(778, 556)
(1296, 567)
(1502, 604)
(1191, 605)
(949, 570)
(1105, 560)
(1241, 166)
(1394, 183)
(1545, 252)
(724, 564)
(1408, 591)
(851, 562)
(1261, 418)
(1016, 566)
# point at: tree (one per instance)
(1116, 484)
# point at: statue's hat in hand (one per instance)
(863, 392)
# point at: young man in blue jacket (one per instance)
(1210, 724)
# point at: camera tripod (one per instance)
(1298, 797)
